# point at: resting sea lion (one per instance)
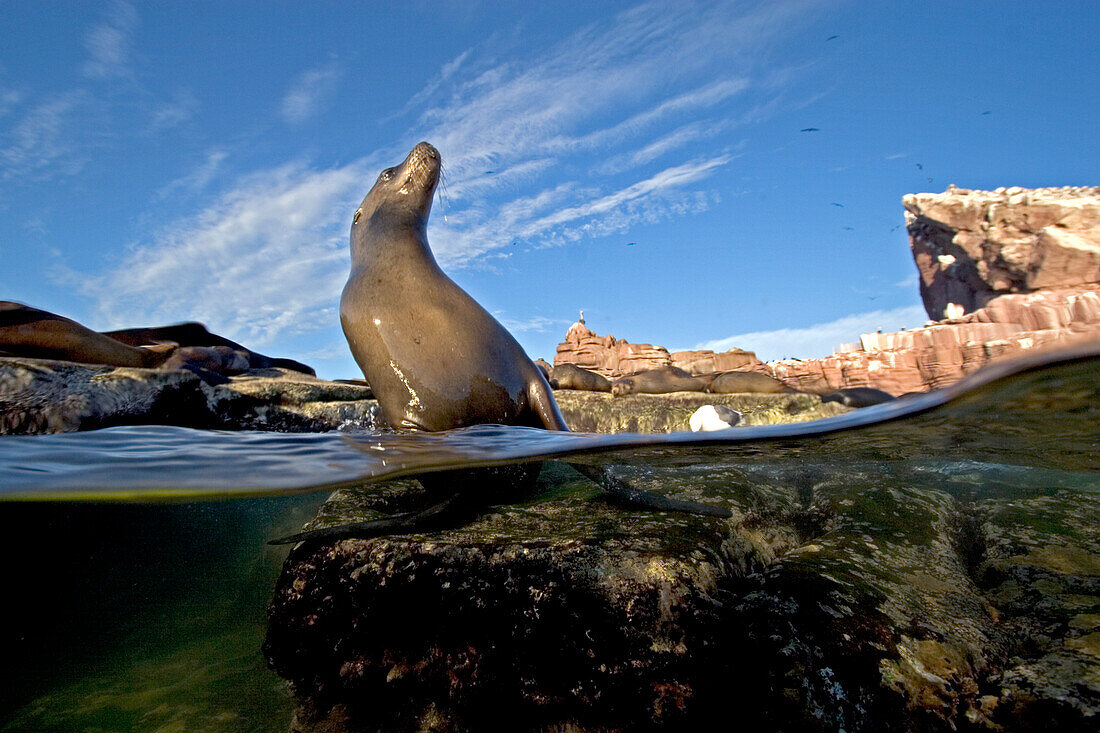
(31, 332)
(545, 367)
(737, 382)
(195, 334)
(39, 334)
(434, 357)
(859, 396)
(571, 376)
(658, 381)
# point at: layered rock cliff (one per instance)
(973, 246)
(1001, 272)
(614, 358)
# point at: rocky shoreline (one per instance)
(40, 396)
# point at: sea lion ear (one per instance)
(358, 213)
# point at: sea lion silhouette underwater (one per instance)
(437, 360)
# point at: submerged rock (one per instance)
(832, 600)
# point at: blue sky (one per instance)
(642, 161)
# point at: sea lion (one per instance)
(713, 417)
(38, 334)
(737, 382)
(434, 357)
(196, 334)
(571, 376)
(859, 396)
(32, 332)
(658, 381)
(545, 367)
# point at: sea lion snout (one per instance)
(422, 168)
(426, 149)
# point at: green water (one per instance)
(150, 616)
(142, 617)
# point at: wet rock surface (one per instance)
(597, 412)
(832, 600)
(42, 396)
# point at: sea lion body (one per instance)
(859, 397)
(546, 368)
(31, 332)
(658, 381)
(436, 359)
(571, 376)
(738, 382)
(38, 334)
(196, 334)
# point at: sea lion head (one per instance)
(622, 387)
(402, 195)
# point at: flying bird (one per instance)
(810, 129)
(836, 204)
(920, 167)
(831, 38)
(987, 112)
(850, 229)
(630, 244)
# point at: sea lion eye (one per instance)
(386, 175)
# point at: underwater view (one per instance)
(139, 578)
(652, 365)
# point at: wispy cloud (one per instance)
(593, 104)
(819, 339)
(198, 178)
(678, 138)
(526, 139)
(267, 259)
(44, 140)
(108, 43)
(536, 324)
(181, 108)
(9, 100)
(308, 93)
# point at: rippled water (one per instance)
(135, 599)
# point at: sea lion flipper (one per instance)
(620, 492)
(410, 521)
(542, 401)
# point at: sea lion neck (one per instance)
(388, 241)
(392, 221)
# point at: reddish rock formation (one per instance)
(1007, 271)
(706, 361)
(973, 246)
(942, 353)
(608, 355)
(615, 358)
